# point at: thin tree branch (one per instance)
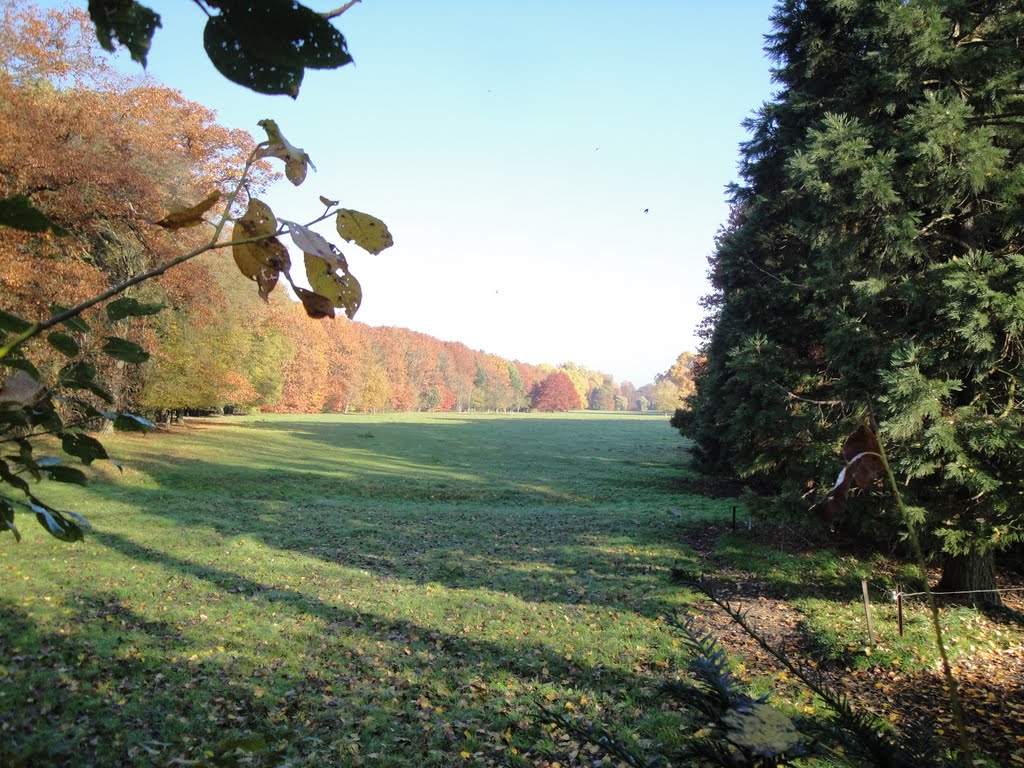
(338, 11)
(794, 396)
(775, 277)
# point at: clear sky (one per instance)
(512, 148)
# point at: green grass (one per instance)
(393, 590)
(397, 590)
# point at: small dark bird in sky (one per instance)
(646, 210)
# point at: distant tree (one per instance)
(306, 374)
(629, 392)
(665, 396)
(479, 399)
(580, 378)
(556, 393)
(376, 392)
(520, 394)
(681, 373)
(602, 398)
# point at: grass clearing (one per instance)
(403, 589)
(394, 590)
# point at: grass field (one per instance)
(398, 590)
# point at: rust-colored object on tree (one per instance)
(863, 458)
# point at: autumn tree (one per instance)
(104, 155)
(665, 395)
(122, 223)
(629, 393)
(681, 373)
(872, 268)
(556, 393)
(602, 398)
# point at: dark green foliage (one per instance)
(31, 408)
(124, 350)
(18, 212)
(12, 323)
(265, 46)
(873, 264)
(64, 344)
(130, 23)
(126, 306)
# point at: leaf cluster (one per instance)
(265, 46)
(263, 258)
(63, 410)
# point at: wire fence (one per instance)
(896, 595)
(899, 594)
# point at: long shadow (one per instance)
(112, 688)
(555, 554)
(543, 531)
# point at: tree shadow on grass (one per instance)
(112, 686)
(554, 554)
(498, 460)
(422, 505)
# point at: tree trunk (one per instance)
(972, 571)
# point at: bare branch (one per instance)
(338, 11)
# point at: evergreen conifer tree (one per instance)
(874, 266)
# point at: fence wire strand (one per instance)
(965, 592)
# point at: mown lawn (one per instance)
(393, 590)
(405, 590)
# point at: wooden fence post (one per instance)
(867, 611)
(899, 607)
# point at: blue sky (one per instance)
(512, 148)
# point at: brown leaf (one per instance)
(269, 254)
(316, 306)
(179, 218)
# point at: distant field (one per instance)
(393, 590)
